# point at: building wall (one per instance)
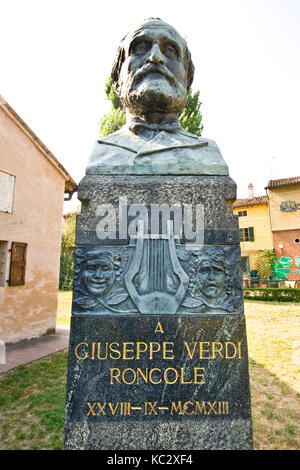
(258, 218)
(288, 264)
(281, 220)
(286, 231)
(30, 310)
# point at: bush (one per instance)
(273, 294)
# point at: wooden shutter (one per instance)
(251, 234)
(248, 265)
(17, 264)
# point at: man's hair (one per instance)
(217, 257)
(120, 57)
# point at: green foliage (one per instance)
(115, 119)
(66, 270)
(68, 232)
(273, 294)
(264, 263)
(190, 118)
(111, 94)
(112, 122)
(66, 255)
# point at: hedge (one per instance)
(273, 294)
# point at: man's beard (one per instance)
(151, 90)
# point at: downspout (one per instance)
(70, 193)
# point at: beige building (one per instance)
(32, 187)
(255, 230)
(272, 222)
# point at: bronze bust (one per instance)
(152, 73)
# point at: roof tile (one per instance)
(251, 201)
(283, 182)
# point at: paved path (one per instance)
(34, 349)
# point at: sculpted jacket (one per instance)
(156, 151)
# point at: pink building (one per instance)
(32, 187)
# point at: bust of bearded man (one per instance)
(152, 74)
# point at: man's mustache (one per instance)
(151, 68)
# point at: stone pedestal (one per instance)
(158, 348)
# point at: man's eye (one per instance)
(171, 51)
(140, 48)
(91, 270)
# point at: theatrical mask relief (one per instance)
(155, 275)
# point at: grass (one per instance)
(32, 397)
(274, 339)
(273, 331)
(32, 400)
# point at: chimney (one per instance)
(250, 190)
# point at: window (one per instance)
(245, 265)
(247, 234)
(3, 258)
(7, 184)
(242, 213)
(17, 264)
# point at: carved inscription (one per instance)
(147, 408)
(194, 373)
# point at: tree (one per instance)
(115, 119)
(67, 250)
(68, 232)
(264, 263)
(190, 118)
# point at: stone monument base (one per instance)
(134, 435)
(156, 382)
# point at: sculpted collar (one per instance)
(162, 141)
(137, 125)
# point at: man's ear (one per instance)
(190, 69)
(117, 65)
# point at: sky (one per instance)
(57, 55)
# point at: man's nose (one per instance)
(156, 55)
(98, 273)
(211, 274)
